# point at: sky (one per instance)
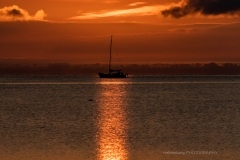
(154, 31)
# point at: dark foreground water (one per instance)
(138, 118)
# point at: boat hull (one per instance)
(109, 75)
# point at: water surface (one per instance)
(138, 118)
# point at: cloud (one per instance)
(205, 7)
(15, 13)
(140, 11)
(136, 4)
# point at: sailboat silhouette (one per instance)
(112, 73)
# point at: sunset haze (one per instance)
(169, 31)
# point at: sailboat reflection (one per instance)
(112, 123)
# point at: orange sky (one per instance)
(78, 31)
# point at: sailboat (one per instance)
(112, 73)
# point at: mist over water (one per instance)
(138, 118)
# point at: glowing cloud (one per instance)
(140, 11)
(15, 13)
(136, 4)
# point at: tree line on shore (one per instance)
(132, 69)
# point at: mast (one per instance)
(110, 58)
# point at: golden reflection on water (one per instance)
(112, 124)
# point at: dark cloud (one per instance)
(15, 12)
(205, 7)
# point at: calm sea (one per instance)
(138, 118)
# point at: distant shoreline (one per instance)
(132, 69)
